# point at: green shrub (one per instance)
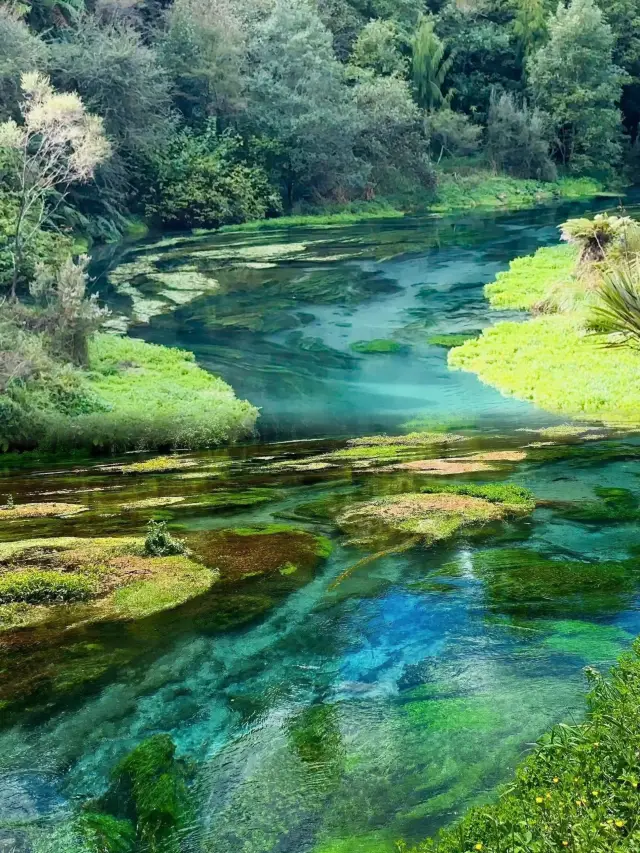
(160, 543)
(202, 181)
(43, 587)
(578, 790)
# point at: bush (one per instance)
(201, 181)
(160, 543)
(43, 587)
(517, 140)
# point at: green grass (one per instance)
(530, 279)
(134, 395)
(347, 217)
(552, 362)
(577, 791)
(483, 189)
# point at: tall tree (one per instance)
(429, 65)
(529, 25)
(377, 49)
(298, 100)
(204, 51)
(574, 80)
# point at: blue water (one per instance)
(334, 716)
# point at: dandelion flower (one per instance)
(539, 800)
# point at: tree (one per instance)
(204, 49)
(484, 57)
(429, 65)
(297, 99)
(391, 138)
(119, 77)
(202, 180)
(574, 80)
(529, 25)
(377, 49)
(20, 52)
(452, 134)
(58, 143)
(517, 139)
(623, 16)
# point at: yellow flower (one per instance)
(595, 793)
(620, 823)
(478, 846)
(555, 780)
(539, 800)
(565, 843)
(548, 796)
(596, 744)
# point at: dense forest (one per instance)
(217, 111)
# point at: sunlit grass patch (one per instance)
(552, 362)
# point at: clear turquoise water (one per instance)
(337, 719)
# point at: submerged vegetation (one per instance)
(578, 790)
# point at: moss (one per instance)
(149, 788)
(430, 517)
(530, 279)
(104, 833)
(587, 640)
(43, 587)
(150, 503)
(616, 506)
(448, 341)
(378, 346)
(315, 734)
(503, 493)
(39, 510)
(157, 465)
(112, 575)
(453, 714)
(523, 582)
(274, 549)
(412, 439)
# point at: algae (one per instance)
(379, 346)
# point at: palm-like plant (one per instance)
(617, 312)
(597, 236)
(429, 65)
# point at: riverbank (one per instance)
(553, 360)
(454, 193)
(132, 395)
(578, 790)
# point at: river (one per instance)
(328, 712)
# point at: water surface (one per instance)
(320, 714)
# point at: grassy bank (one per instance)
(482, 189)
(454, 193)
(577, 791)
(133, 395)
(553, 360)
